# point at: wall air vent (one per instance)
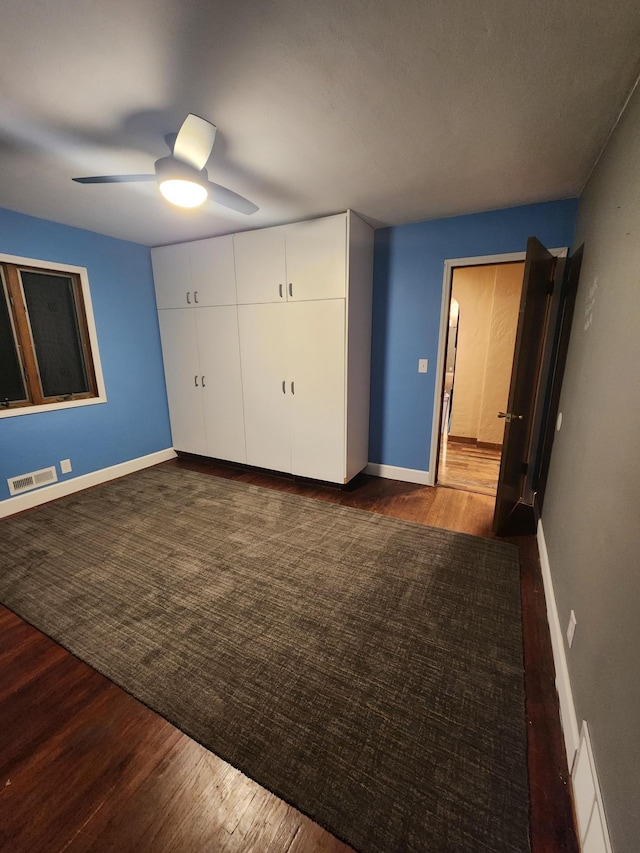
(26, 482)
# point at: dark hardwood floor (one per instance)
(85, 766)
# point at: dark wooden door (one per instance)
(556, 374)
(525, 376)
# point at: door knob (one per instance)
(509, 416)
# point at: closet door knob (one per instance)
(188, 295)
(293, 387)
(195, 379)
(202, 380)
(280, 290)
(284, 390)
(195, 296)
(290, 289)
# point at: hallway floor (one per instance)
(463, 465)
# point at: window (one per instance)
(48, 348)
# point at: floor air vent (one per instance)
(26, 482)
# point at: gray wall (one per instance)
(591, 515)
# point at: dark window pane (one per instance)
(56, 337)
(11, 381)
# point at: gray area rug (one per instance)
(367, 670)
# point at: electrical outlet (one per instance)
(423, 364)
(571, 628)
(65, 466)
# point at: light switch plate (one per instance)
(423, 364)
(65, 466)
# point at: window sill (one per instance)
(50, 407)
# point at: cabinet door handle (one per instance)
(290, 289)
(195, 379)
(284, 390)
(188, 300)
(280, 290)
(293, 387)
(195, 296)
(202, 381)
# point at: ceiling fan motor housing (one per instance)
(170, 168)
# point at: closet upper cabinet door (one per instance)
(213, 276)
(317, 259)
(221, 382)
(183, 379)
(172, 276)
(266, 385)
(316, 334)
(260, 266)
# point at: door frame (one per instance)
(447, 283)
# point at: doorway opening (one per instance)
(483, 310)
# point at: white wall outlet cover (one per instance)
(423, 364)
(65, 466)
(559, 422)
(571, 628)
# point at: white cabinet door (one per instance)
(213, 278)
(260, 266)
(317, 259)
(219, 350)
(265, 384)
(183, 378)
(172, 276)
(316, 344)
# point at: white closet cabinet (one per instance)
(261, 274)
(294, 386)
(306, 359)
(194, 274)
(316, 254)
(306, 260)
(317, 384)
(219, 352)
(267, 397)
(172, 276)
(266, 337)
(182, 376)
(204, 386)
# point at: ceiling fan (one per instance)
(181, 176)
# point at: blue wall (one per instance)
(135, 419)
(408, 268)
(407, 295)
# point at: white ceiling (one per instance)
(404, 110)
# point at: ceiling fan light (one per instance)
(183, 193)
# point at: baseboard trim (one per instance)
(84, 481)
(593, 830)
(568, 717)
(391, 472)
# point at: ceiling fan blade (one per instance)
(194, 141)
(228, 198)
(114, 179)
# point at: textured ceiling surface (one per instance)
(399, 110)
